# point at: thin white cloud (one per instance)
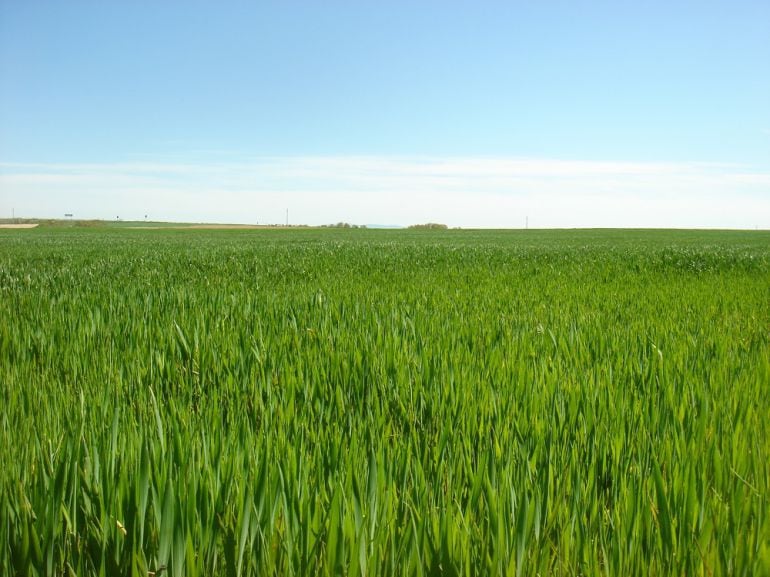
(461, 191)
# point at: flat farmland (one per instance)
(363, 402)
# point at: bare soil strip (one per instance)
(18, 225)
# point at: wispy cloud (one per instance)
(461, 191)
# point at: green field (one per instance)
(360, 402)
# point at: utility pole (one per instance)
(287, 217)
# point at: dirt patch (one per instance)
(18, 225)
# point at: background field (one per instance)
(384, 402)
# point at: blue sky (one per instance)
(474, 113)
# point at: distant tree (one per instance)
(429, 226)
(343, 225)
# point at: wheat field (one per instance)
(361, 402)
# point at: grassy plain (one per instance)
(359, 402)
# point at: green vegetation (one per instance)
(361, 402)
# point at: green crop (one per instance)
(357, 402)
